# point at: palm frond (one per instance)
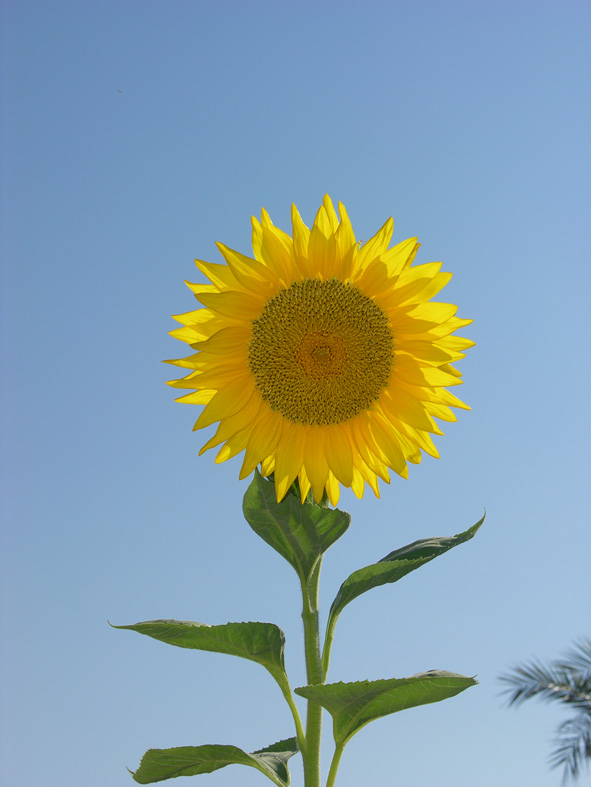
(574, 745)
(551, 683)
(566, 680)
(578, 658)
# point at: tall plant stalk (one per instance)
(314, 675)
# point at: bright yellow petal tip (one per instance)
(322, 358)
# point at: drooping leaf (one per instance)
(353, 705)
(260, 642)
(301, 533)
(157, 765)
(395, 566)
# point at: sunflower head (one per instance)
(321, 358)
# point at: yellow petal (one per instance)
(194, 317)
(257, 238)
(433, 354)
(201, 320)
(301, 239)
(251, 274)
(268, 466)
(219, 275)
(366, 446)
(276, 256)
(235, 423)
(440, 411)
(420, 438)
(189, 334)
(419, 274)
(226, 402)
(280, 234)
(447, 367)
(305, 484)
(199, 287)
(435, 312)
(331, 215)
(377, 245)
(400, 256)
(315, 461)
(358, 484)
(409, 448)
(234, 338)
(214, 376)
(387, 443)
(322, 246)
(333, 489)
(289, 458)
(455, 343)
(190, 362)
(233, 446)
(337, 449)
(374, 280)
(398, 403)
(346, 246)
(197, 397)
(416, 285)
(262, 441)
(430, 290)
(369, 476)
(449, 326)
(406, 368)
(435, 395)
(234, 305)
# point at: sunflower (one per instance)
(322, 358)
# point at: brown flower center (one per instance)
(321, 352)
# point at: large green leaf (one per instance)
(301, 533)
(160, 764)
(260, 642)
(353, 705)
(395, 566)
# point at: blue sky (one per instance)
(136, 134)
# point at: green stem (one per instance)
(281, 679)
(332, 774)
(328, 638)
(314, 676)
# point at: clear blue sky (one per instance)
(138, 133)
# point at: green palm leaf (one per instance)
(566, 680)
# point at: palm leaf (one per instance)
(566, 680)
(574, 745)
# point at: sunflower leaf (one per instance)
(353, 705)
(301, 533)
(395, 566)
(160, 764)
(260, 642)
